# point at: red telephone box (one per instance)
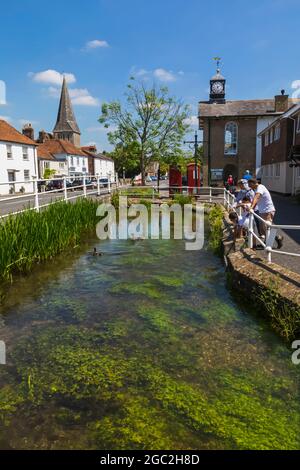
(194, 181)
(175, 179)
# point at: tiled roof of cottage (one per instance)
(9, 134)
(57, 147)
(240, 108)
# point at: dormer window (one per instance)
(231, 136)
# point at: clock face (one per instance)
(217, 87)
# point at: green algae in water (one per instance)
(144, 354)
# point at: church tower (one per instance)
(217, 86)
(66, 127)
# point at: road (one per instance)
(15, 204)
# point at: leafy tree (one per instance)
(128, 157)
(151, 119)
(48, 173)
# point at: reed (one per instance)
(31, 237)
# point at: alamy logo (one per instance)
(2, 353)
(141, 222)
(296, 87)
(2, 92)
(296, 354)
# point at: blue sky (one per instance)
(101, 42)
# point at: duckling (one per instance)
(96, 253)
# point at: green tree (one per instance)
(128, 157)
(152, 119)
(48, 174)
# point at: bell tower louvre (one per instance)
(66, 127)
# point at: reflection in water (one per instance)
(142, 348)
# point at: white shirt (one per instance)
(265, 204)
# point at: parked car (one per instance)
(55, 185)
(103, 182)
(153, 178)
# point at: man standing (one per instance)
(263, 203)
(245, 191)
(247, 176)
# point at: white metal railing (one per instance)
(271, 230)
(94, 185)
(38, 197)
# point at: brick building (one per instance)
(231, 129)
(281, 153)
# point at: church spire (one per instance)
(66, 127)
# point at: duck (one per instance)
(96, 253)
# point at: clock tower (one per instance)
(217, 87)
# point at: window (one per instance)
(25, 153)
(271, 171)
(72, 161)
(277, 133)
(266, 172)
(26, 175)
(298, 171)
(298, 124)
(266, 139)
(271, 135)
(277, 170)
(46, 165)
(78, 161)
(9, 152)
(61, 165)
(231, 135)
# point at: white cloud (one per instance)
(164, 75)
(82, 97)
(96, 44)
(79, 96)
(160, 74)
(52, 77)
(192, 121)
(296, 86)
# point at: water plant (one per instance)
(32, 237)
(216, 229)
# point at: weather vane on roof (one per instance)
(218, 61)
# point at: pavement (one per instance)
(15, 204)
(287, 213)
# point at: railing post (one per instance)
(65, 188)
(224, 197)
(210, 194)
(36, 195)
(269, 248)
(98, 186)
(250, 231)
(84, 186)
(109, 185)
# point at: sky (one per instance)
(99, 44)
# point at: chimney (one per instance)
(281, 102)
(28, 131)
(43, 136)
(92, 149)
